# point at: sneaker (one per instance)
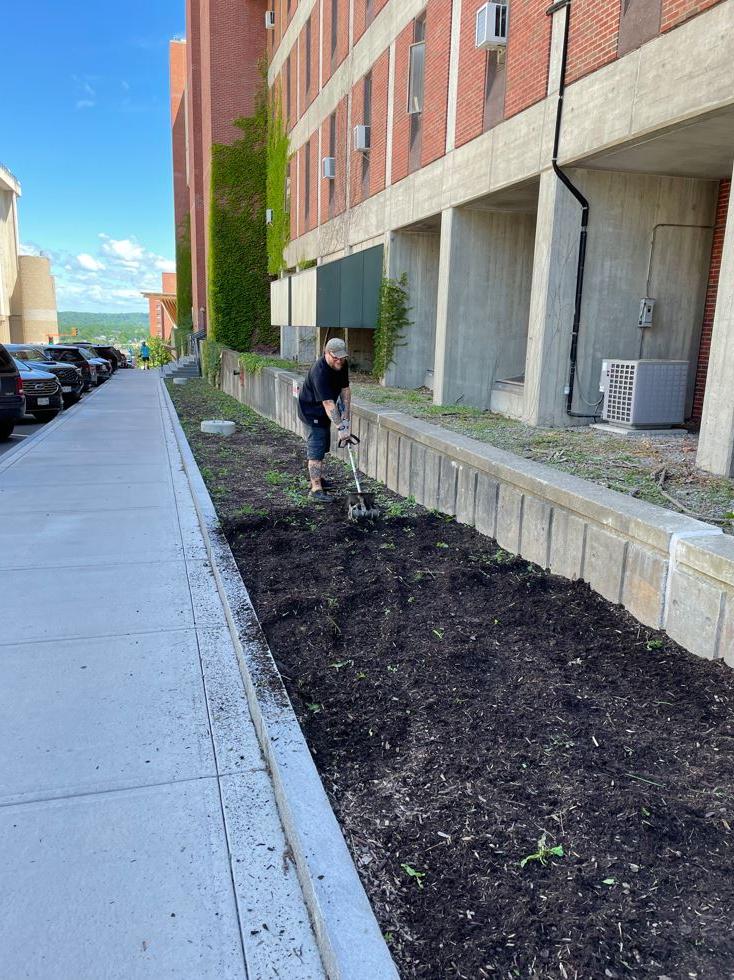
(320, 497)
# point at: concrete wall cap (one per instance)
(711, 556)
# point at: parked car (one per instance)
(101, 350)
(70, 377)
(43, 398)
(67, 354)
(12, 396)
(104, 371)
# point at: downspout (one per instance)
(583, 234)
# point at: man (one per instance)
(325, 398)
(145, 355)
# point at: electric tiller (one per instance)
(361, 505)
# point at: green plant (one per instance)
(184, 289)
(654, 644)
(211, 361)
(239, 285)
(392, 322)
(160, 354)
(544, 853)
(255, 363)
(276, 194)
(411, 872)
(304, 264)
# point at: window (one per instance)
(369, 12)
(308, 55)
(334, 25)
(494, 90)
(307, 183)
(287, 201)
(416, 74)
(332, 153)
(367, 119)
(639, 22)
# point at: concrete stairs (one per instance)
(184, 367)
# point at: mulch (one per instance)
(531, 783)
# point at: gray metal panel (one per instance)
(373, 266)
(328, 295)
(352, 286)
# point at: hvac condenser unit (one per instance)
(361, 138)
(644, 394)
(328, 168)
(492, 22)
(270, 20)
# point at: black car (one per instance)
(70, 377)
(67, 354)
(12, 397)
(43, 399)
(100, 350)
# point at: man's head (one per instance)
(336, 353)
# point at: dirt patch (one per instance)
(531, 783)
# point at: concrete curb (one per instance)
(347, 932)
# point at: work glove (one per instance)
(345, 429)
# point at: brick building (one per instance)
(162, 316)
(215, 74)
(453, 182)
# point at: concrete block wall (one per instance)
(669, 571)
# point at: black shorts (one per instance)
(318, 440)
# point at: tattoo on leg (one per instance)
(315, 468)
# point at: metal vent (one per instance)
(620, 389)
(649, 393)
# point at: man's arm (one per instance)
(332, 411)
(346, 397)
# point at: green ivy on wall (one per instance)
(184, 288)
(278, 162)
(239, 285)
(392, 322)
(211, 360)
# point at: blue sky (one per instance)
(86, 129)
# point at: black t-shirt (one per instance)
(322, 384)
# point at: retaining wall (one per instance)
(669, 571)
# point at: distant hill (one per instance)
(122, 328)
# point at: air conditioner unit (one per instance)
(270, 20)
(328, 168)
(492, 23)
(644, 394)
(268, 216)
(362, 138)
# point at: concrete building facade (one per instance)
(215, 77)
(27, 288)
(480, 169)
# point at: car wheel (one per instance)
(6, 430)
(45, 416)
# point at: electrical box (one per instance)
(491, 26)
(361, 138)
(270, 20)
(649, 394)
(268, 216)
(328, 168)
(647, 307)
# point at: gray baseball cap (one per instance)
(337, 348)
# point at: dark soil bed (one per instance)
(531, 783)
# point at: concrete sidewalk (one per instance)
(139, 835)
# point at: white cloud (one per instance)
(30, 249)
(88, 262)
(109, 277)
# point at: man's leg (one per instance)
(317, 446)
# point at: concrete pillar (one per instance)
(551, 303)
(716, 442)
(486, 263)
(448, 218)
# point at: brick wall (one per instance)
(472, 76)
(401, 119)
(676, 11)
(594, 36)
(378, 152)
(342, 37)
(438, 52)
(177, 62)
(195, 164)
(334, 192)
(312, 190)
(360, 15)
(295, 196)
(356, 157)
(528, 51)
(711, 293)
(306, 96)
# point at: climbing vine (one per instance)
(211, 360)
(184, 294)
(239, 285)
(278, 163)
(254, 363)
(392, 322)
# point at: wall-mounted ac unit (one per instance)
(492, 24)
(268, 216)
(361, 138)
(328, 168)
(270, 20)
(644, 394)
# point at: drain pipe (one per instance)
(583, 234)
